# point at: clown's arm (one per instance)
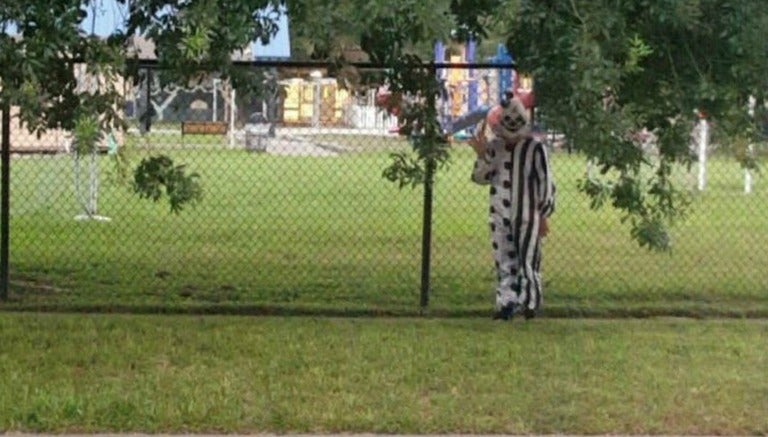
(481, 172)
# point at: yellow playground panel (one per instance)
(458, 80)
(316, 102)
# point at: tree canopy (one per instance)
(603, 70)
(607, 68)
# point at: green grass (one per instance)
(155, 374)
(278, 234)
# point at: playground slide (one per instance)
(468, 120)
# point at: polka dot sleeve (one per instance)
(482, 170)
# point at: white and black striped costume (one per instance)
(522, 191)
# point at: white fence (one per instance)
(370, 117)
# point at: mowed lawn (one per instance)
(329, 236)
(300, 234)
(192, 374)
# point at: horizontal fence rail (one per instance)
(296, 216)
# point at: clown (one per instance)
(522, 197)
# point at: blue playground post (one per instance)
(439, 57)
(463, 125)
(444, 100)
(472, 88)
(468, 121)
(506, 76)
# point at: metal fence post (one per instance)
(426, 234)
(426, 229)
(5, 201)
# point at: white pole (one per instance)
(232, 115)
(316, 104)
(747, 182)
(703, 139)
(748, 176)
(93, 194)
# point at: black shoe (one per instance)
(529, 313)
(505, 312)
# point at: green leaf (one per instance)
(157, 176)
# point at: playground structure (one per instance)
(467, 93)
(318, 101)
(470, 92)
(312, 100)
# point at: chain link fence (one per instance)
(296, 215)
